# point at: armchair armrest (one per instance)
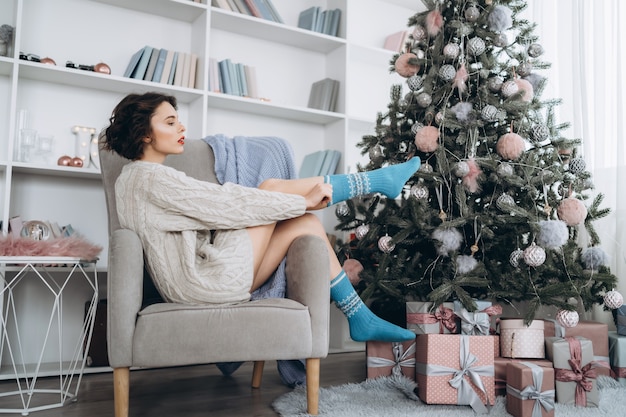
(308, 282)
(125, 293)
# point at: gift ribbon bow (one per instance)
(620, 372)
(401, 358)
(443, 315)
(465, 392)
(533, 392)
(474, 323)
(582, 375)
(494, 310)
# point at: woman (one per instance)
(211, 243)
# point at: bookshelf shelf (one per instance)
(183, 10)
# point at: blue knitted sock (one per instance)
(364, 325)
(388, 181)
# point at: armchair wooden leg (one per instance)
(257, 374)
(312, 385)
(121, 387)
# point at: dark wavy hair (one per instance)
(129, 123)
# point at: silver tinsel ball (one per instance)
(509, 88)
(447, 72)
(524, 69)
(424, 99)
(472, 13)
(476, 46)
(505, 202)
(342, 210)
(375, 153)
(515, 257)
(567, 318)
(494, 84)
(426, 167)
(416, 127)
(613, 299)
(505, 169)
(439, 117)
(361, 231)
(451, 50)
(535, 50)
(577, 165)
(461, 169)
(420, 191)
(501, 40)
(415, 82)
(534, 255)
(419, 33)
(489, 113)
(540, 133)
(385, 244)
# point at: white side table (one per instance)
(54, 274)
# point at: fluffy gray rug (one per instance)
(394, 397)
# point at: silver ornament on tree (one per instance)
(476, 46)
(489, 113)
(447, 72)
(426, 168)
(416, 127)
(420, 191)
(419, 33)
(515, 257)
(415, 82)
(451, 50)
(505, 202)
(424, 99)
(439, 118)
(524, 69)
(375, 153)
(613, 299)
(540, 132)
(361, 231)
(505, 169)
(501, 40)
(385, 244)
(472, 13)
(577, 165)
(535, 50)
(494, 84)
(342, 209)
(461, 169)
(509, 88)
(567, 318)
(534, 255)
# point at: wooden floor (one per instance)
(195, 390)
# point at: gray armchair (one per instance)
(147, 332)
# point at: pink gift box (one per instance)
(518, 340)
(443, 362)
(530, 390)
(421, 318)
(389, 358)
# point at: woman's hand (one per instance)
(319, 196)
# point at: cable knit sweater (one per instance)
(193, 232)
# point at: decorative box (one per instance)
(422, 318)
(529, 390)
(499, 366)
(574, 370)
(617, 353)
(390, 358)
(595, 331)
(447, 364)
(520, 341)
(474, 324)
(483, 307)
(620, 320)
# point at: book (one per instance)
(327, 17)
(319, 22)
(140, 70)
(214, 77)
(55, 229)
(323, 95)
(253, 9)
(170, 80)
(312, 164)
(132, 64)
(225, 76)
(167, 67)
(334, 22)
(234, 79)
(180, 63)
(151, 64)
(263, 9)
(251, 81)
(160, 64)
(193, 68)
(331, 160)
(307, 19)
(242, 7)
(395, 42)
(186, 70)
(274, 11)
(222, 4)
(15, 226)
(232, 5)
(241, 77)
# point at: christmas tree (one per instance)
(502, 207)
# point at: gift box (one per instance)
(574, 370)
(620, 320)
(595, 331)
(422, 318)
(474, 324)
(518, 340)
(530, 390)
(447, 366)
(499, 368)
(390, 358)
(617, 355)
(482, 307)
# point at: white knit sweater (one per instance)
(193, 232)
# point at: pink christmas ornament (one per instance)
(510, 146)
(460, 79)
(404, 68)
(528, 93)
(434, 22)
(613, 300)
(427, 139)
(572, 211)
(353, 268)
(470, 181)
(567, 318)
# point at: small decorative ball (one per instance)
(567, 318)
(77, 162)
(510, 146)
(501, 40)
(472, 14)
(102, 68)
(535, 50)
(540, 133)
(572, 211)
(48, 61)
(361, 231)
(528, 93)
(451, 50)
(419, 53)
(342, 210)
(494, 84)
(577, 165)
(447, 72)
(427, 139)
(64, 160)
(419, 33)
(424, 100)
(461, 169)
(416, 127)
(524, 69)
(426, 167)
(489, 113)
(515, 257)
(505, 169)
(385, 244)
(509, 88)
(375, 153)
(505, 202)
(420, 191)
(415, 82)
(534, 255)
(613, 299)
(476, 46)
(404, 67)
(439, 117)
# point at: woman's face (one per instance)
(167, 134)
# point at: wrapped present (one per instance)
(482, 307)
(499, 367)
(529, 390)
(474, 324)
(574, 370)
(617, 353)
(423, 318)
(518, 340)
(463, 378)
(390, 358)
(620, 320)
(595, 331)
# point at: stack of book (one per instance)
(324, 95)
(320, 163)
(396, 41)
(163, 66)
(233, 78)
(321, 21)
(263, 9)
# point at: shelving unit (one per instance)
(287, 59)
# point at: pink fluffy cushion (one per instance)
(74, 246)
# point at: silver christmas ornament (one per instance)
(426, 167)
(505, 202)
(524, 69)
(534, 255)
(535, 50)
(385, 244)
(494, 84)
(515, 257)
(420, 191)
(375, 152)
(489, 113)
(419, 33)
(613, 299)
(461, 169)
(472, 13)
(540, 133)
(361, 231)
(476, 46)
(509, 88)
(505, 169)
(577, 165)
(447, 72)
(416, 127)
(424, 99)
(501, 40)
(451, 50)
(415, 82)
(439, 117)
(567, 318)
(342, 210)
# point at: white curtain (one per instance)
(585, 40)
